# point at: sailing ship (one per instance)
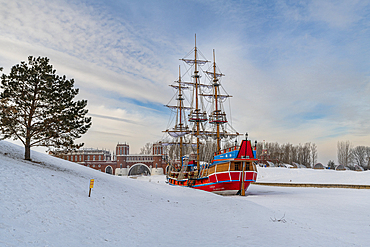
(230, 170)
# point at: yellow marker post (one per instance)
(91, 186)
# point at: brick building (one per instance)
(119, 164)
(154, 162)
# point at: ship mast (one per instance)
(180, 99)
(196, 116)
(196, 76)
(216, 85)
(180, 128)
(218, 116)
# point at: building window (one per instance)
(93, 165)
(88, 157)
(99, 165)
(80, 158)
(99, 157)
(93, 157)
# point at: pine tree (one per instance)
(37, 107)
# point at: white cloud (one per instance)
(338, 14)
(282, 64)
(106, 60)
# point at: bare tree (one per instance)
(287, 153)
(313, 154)
(173, 151)
(273, 150)
(359, 156)
(294, 154)
(306, 154)
(147, 149)
(207, 150)
(259, 149)
(287, 149)
(344, 153)
(300, 154)
(367, 158)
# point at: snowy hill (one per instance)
(46, 203)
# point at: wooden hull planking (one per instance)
(221, 183)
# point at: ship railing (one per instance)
(184, 174)
(226, 150)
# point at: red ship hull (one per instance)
(224, 175)
(220, 183)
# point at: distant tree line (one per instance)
(350, 156)
(304, 154)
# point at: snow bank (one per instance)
(47, 204)
(312, 176)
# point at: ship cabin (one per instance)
(232, 159)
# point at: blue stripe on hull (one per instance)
(199, 185)
(228, 181)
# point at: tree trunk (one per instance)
(27, 150)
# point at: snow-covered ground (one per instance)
(47, 204)
(312, 176)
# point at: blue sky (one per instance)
(299, 71)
